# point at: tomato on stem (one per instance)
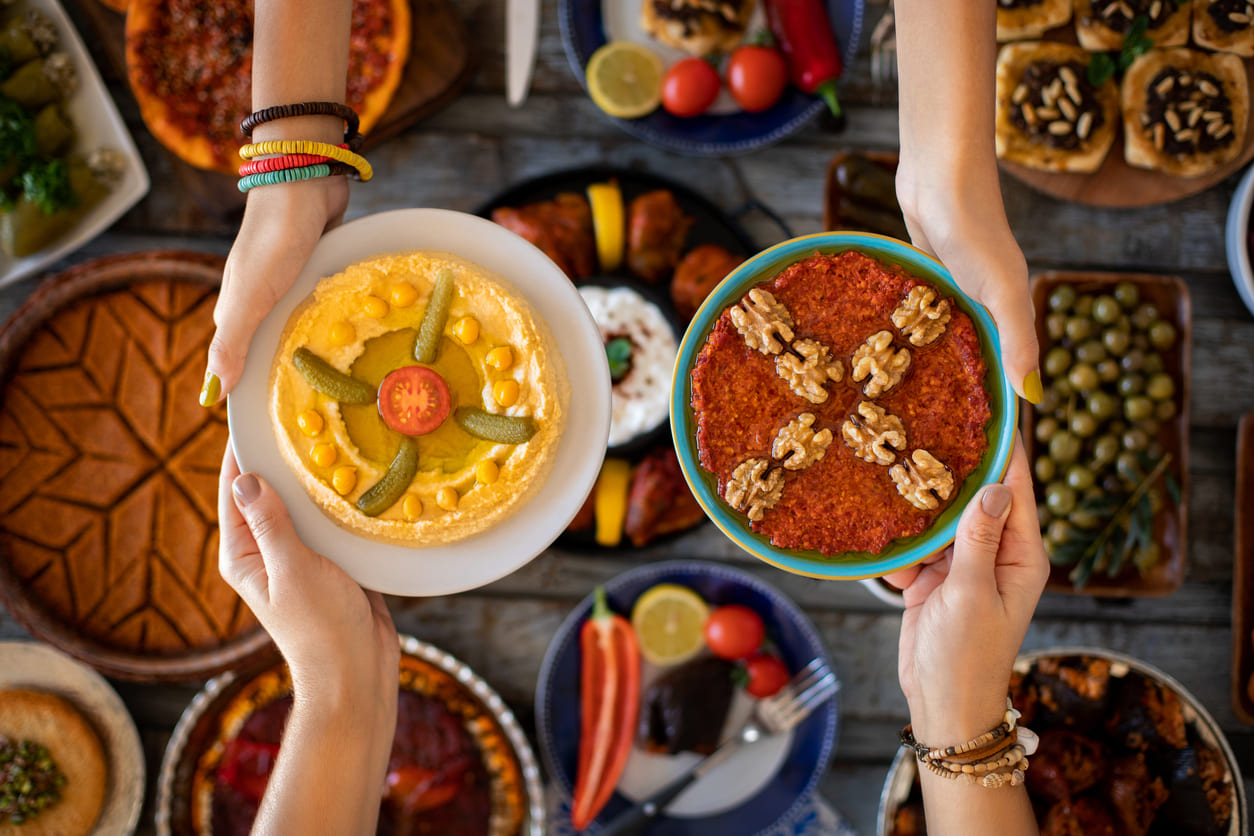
(609, 700)
(756, 76)
(690, 87)
(734, 632)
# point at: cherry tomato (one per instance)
(756, 77)
(690, 87)
(767, 674)
(414, 400)
(734, 632)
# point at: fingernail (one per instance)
(211, 391)
(1032, 389)
(246, 488)
(994, 501)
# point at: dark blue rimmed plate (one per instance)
(557, 696)
(583, 32)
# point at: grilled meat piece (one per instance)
(656, 229)
(1065, 765)
(659, 501)
(698, 274)
(561, 227)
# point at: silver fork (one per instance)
(883, 55)
(813, 685)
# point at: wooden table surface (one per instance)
(478, 146)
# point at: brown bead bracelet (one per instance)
(289, 111)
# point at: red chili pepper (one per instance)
(609, 695)
(805, 37)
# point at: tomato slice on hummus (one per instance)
(414, 400)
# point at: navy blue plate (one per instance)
(583, 32)
(557, 695)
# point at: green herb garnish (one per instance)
(17, 133)
(618, 352)
(47, 185)
(1104, 65)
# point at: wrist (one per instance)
(956, 719)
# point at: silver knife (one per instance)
(522, 27)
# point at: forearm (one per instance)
(331, 768)
(300, 54)
(955, 809)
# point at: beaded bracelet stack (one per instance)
(287, 161)
(997, 758)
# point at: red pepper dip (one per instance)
(841, 503)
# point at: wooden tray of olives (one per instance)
(1243, 577)
(1109, 444)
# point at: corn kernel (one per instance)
(323, 455)
(487, 472)
(310, 422)
(447, 498)
(467, 329)
(403, 294)
(342, 333)
(505, 392)
(374, 307)
(411, 506)
(500, 358)
(344, 479)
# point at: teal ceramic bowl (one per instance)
(902, 552)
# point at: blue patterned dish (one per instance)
(557, 698)
(900, 553)
(583, 32)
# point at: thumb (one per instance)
(1010, 303)
(242, 304)
(979, 538)
(268, 520)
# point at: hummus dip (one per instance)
(494, 355)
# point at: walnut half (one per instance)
(754, 487)
(877, 360)
(798, 446)
(872, 432)
(808, 374)
(921, 317)
(921, 479)
(762, 321)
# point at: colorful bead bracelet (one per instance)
(302, 146)
(286, 161)
(292, 175)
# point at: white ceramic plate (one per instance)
(483, 558)
(98, 125)
(1236, 239)
(25, 664)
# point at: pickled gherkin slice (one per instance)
(434, 317)
(329, 380)
(503, 429)
(388, 490)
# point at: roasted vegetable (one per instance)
(684, 710)
(27, 228)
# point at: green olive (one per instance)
(1043, 516)
(1102, 405)
(1090, 351)
(1127, 294)
(1128, 467)
(1056, 325)
(1044, 468)
(1057, 361)
(1105, 449)
(1079, 328)
(1060, 531)
(1156, 500)
(1165, 410)
(1111, 483)
(1153, 363)
(1162, 334)
(1132, 361)
(1140, 342)
(1108, 371)
(1083, 377)
(1161, 387)
(1062, 297)
(1138, 408)
(1059, 499)
(1063, 387)
(1135, 439)
(1045, 429)
(1116, 340)
(1150, 425)
(1084, 305)
(1050, 402)
(1064, 448)
(1155, 449)
(1146, 557)
(1106, 309)
(1084, 519)
(1145, 316)
(1083, 425)
(1130, 384)
(1080, 477)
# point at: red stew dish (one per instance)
(841, 405)
(451, 771)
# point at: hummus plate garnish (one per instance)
(417, 398)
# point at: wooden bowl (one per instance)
(1243, 577)
(1171, 296)
(126, 481)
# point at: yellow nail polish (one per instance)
(1032, 388)
(211, 391)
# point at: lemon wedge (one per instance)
(606, 200)
(625, 79)
(669, 621)
(610, 501)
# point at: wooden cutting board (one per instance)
(441, 61)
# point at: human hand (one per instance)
(281, 225)
(953, 210)
(338, 640)
(967, 611)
